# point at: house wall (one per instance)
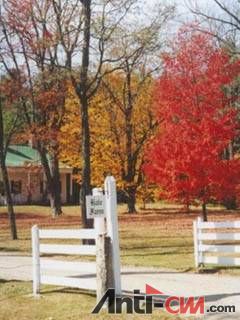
(31, 184)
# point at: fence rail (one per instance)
(67, 234)
(212, 253)
(88, 250)
(106, 249)
(50, 264)
(43, 265)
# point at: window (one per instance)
(16, 187)
(2, 191)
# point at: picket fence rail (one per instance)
(216, 250)
(42, 265)
(106, 250)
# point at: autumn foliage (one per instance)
(198, 122)
(108, 117)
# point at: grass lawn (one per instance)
(16, 303)
(158, 237)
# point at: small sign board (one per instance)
(95, 206)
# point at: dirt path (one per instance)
(217, 289)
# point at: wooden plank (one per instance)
(35, 260)
(88, 284)
(219, 248)
(225, 261)
(200, 254)
(89, 250)
(195, 238)
(219, 236)
(58, 265)
(224, 224)
(67, 234)
(112, 229)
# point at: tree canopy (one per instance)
(198, 122)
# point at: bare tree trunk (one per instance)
(144, 204)
(53, 181)
(204, 211)
(6, 185)
(11, 214)
(55, 188)
(187, 207)
(131, 200)
(86, 168)
(82, 92)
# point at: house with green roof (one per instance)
(27, 179)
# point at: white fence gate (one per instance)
(216, 247)
(107, 227)
(41, 265)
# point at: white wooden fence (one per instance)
(107, 227)
(41, 265)
(216, 247)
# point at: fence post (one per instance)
(195, 238)
(104, 268)
(112, 229)
(35, 260)
(199, 228)
(103, 255)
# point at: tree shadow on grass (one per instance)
(161, 211)
(63, 290)
(217, 269)
(4, 249)
(145, 254)
(156, 272)
(184, 246)
(2, 281)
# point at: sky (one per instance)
(184, 15)
(182, 6)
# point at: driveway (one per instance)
(217, 289)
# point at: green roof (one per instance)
(21, 155)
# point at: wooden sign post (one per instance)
(112, 229)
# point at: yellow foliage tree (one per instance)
(119, 130)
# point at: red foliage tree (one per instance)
(197, 123)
